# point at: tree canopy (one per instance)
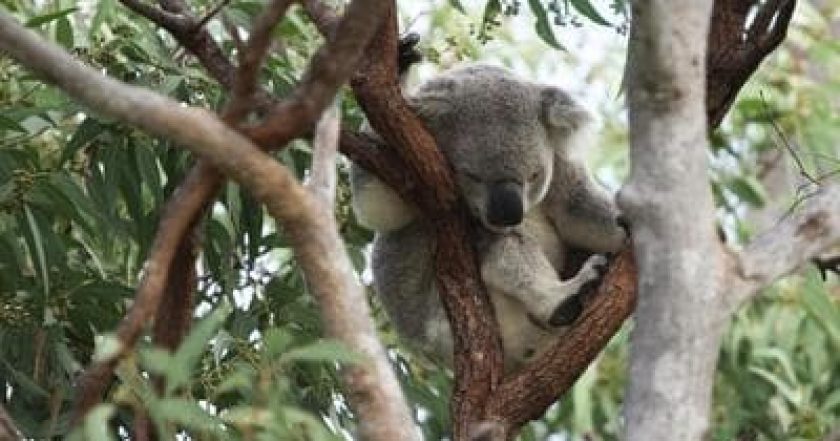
(244, 354)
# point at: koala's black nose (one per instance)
(504, 205)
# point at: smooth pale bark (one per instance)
(669, 203)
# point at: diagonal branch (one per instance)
(203, 182)
(736, 51)
(526, 394)
(165, 19)
(175, 18)
(8, 430)
(478, 356)
(373, 389)
(322, 175)
(783, 248)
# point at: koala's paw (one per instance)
(407, 52)
(593, 269)
(588, 279)
(567, 312)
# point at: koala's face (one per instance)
(500, 134)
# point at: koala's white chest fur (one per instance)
(541, 229)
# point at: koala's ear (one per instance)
(560, 111)
(434, 98)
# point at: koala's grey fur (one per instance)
(511, 145)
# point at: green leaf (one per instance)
(11, 125)
(818, 305)
(491, 14)
(156, 360)
(96, 427)
(46, 18)
(193, 347)
(458, 6)
(325, 350)
(64, 33)
(86, 132)
(242, 380)
(543, 25)
(276, 341)
(748, 189)
(189, 414)
(589, 11)
(104, 13)
(39, 250)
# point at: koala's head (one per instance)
(500, 134)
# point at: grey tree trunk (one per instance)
(669, 204)
(689, 282)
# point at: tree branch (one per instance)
(165, 19)
(175, 18)
(373, 388)
(323, 16)
(670, 207)
(8, 430)
(526, 394)
(251, 59)
(329, 69)
(732, 58)
(322, 176)
(780, 250)
(478, 356)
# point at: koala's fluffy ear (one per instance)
(561, 112)
(434, 99)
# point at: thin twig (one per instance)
(212, 13)
(785, 142)
(165, 19)
(8, 429)
(251, 59)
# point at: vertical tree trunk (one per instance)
(669, 204)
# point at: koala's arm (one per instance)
(583, 213)
(377, 206)
(514, 265)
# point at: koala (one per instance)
(511, 144)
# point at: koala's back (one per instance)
(404, 279)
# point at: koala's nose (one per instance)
(504, 206)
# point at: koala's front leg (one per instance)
(515, 266)
(583, 213)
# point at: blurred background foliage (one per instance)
(80, 197)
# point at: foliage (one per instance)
(80, 197)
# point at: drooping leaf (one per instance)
(589, 11)
(325, 350)
(543, 25)
(11, 125)
(458, 6)
(46, 18)
(64, 33)
(104, 12)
